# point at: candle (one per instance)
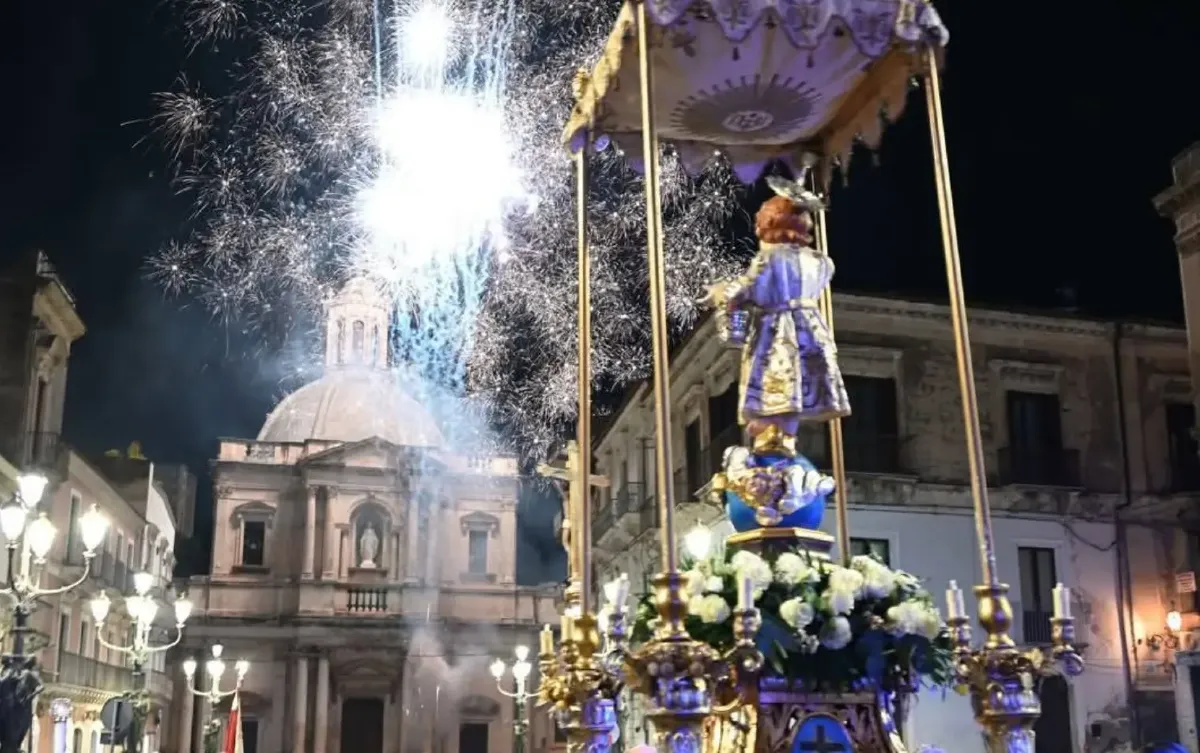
(954, 602)
(622, 592)
(547, 641)
(567, 627)
(1062, 602)
(745, 593)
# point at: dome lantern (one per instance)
(356, 326)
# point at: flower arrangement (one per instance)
(827, 627)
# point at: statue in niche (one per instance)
(789, 370)
(368, 547)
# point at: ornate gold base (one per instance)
(786, 720)
(764, 541)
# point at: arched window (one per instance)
(77, 741)
(356, 341)
(375, 346)
(341, 341)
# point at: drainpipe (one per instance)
(1124, 583)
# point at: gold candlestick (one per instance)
(1001, 677)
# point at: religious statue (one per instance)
(368, 547)
(789, 369)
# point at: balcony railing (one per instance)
(602, 523)
(1039, 466)
(84, 672)
(1036, 624)
(367, 600)
(41, 450)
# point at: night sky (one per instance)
(1061, 122)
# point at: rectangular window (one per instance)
(254, 541)
(1182, 449)
(472, 737)
(880, 549)
(64, 635)
(73, 529)
(694, 463)
(1038, 578)
(249, 734)
(477, 552)
(872, 442)
(1035, 443)
(85, 640)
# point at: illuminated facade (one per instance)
(365, 568)
(1058, 442)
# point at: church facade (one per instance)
(364, 567)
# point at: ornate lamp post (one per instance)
(215, 668)
(143, 607)
(29, 539)
(520, 672)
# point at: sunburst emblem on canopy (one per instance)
(749, 109)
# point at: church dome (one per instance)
(349, 406)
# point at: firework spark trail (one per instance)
(452, 187)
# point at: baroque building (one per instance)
(1180, 203)
(364, 566)
(38, 325)
(1092, 468)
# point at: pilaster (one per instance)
(310, 534)
(300, 706)
(321, 710)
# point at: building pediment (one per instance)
(372, 453)
(480, 521)
(478, 707)
(253, 511)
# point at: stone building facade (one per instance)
(1085, 422)
(1180, 203)
(364, 566)
(38, 325)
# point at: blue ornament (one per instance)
(741, 515)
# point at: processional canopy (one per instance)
(759, 80)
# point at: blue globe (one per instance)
(741, 515)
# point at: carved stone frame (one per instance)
(489, 524)
(877, 363)
(1019, 376)
(252, 512)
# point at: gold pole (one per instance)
(958, 318)
(583, 424)
(837, 447)
(658, 298)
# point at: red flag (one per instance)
(233, 730)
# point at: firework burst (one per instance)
(419, 142)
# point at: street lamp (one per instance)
(215, 668)
(19, 680)
(143, 607)
(520, 672)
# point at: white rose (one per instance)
(797, 613)
(750, 565)
(845, 579)
(693, 583)
(878, 582)
(905, 617)
(790, 569)
(840, 602)
(931, 624)
(836, 633)
(714, 584)
(713, 609)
